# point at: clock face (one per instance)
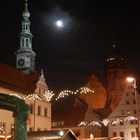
(21, 62)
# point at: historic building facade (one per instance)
(25, 84)
(124, 120)
(115, 77)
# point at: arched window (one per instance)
(27, 42)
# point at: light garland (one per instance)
(117, 121)
(130, 118)
(48, 95)
(95, 123)
(105, 122)
(33, 97)
(82, 123)
(82, 90)
(16, 95)
(2, 128)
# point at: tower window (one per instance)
(39, 110)
(134, 101)
(22, 42)
(45, 112)
(27, 42)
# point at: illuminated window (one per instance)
(112, 58)
(54, 124)
(39, 110)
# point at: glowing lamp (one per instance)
(130, 79)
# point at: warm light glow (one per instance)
(82, 90)
(61, 133)
(91, 136)
(48, 95)
(106, 121)
(130, 79)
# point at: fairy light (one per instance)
(130, 118)
(106, 121)
(33, 97)
(64, 93)
(2, 128)
(16, 95)
(83, 123)
(95, 123)
(48, 95)
(85, 90)
(117, 121)
(82, 90)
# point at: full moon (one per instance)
(59, 23)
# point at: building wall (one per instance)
(126, 115)
(42, 122)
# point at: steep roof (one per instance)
(52, 135)
(13, 79)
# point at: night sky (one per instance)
(70, 55)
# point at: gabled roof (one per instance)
(13, 79)
(51, 135)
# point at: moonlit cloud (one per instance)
(58, 17)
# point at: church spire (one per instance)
(26, 13)
(25, 55)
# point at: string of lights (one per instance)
(47, 95)
(82, 90)
(106, 122)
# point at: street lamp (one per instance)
(132, 80)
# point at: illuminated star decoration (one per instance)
(48, 95)
(105, 122)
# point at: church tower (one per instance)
(25, 56)
(115, 77)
